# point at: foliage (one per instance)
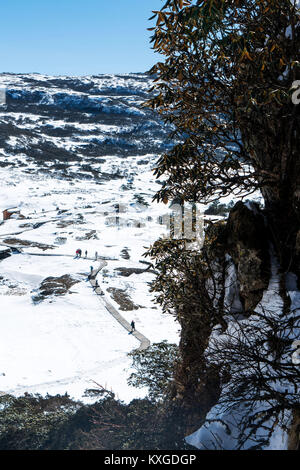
(217, 208)
(26, 422)
(225, 85)
(110, 424)
(154, 369)
(141, 200)
(181, 288)
(256, 356)
(32, 422)
(180, 284)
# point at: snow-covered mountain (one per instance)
(55, 121)
(71, 151)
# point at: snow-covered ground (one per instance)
(77, 158)
(71, 149)
(54, 120)
(64, 343)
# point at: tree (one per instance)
(154, 368)
(180, 288)
(26, 422)
(264, 381)
(226, 86)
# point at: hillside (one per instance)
(73, 152)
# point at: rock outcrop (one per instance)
(54, 286)
(244, 237)
(294, 432)
(247, 244)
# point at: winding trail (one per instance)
(145, 342)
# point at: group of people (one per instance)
(90, 276)
(78, 254)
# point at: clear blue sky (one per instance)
(76, 37)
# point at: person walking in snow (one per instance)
(132, 324)
(96, 255)
(77, 254)
(86, 253)
(80, 252)
(90, 276)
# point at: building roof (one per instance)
(12, 209)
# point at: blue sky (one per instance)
(76, 37)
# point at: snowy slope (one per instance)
(70, 150)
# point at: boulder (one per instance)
(54, 286)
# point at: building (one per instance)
(12, 211)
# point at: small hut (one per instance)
(10, 212)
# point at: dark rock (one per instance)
(126, 272)
(294, 431)
(125, 254)
(88, 236)
(247, 244)
(5, 253)
(122, 298)
(17, 241)
(60, 240)
(54, 286)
